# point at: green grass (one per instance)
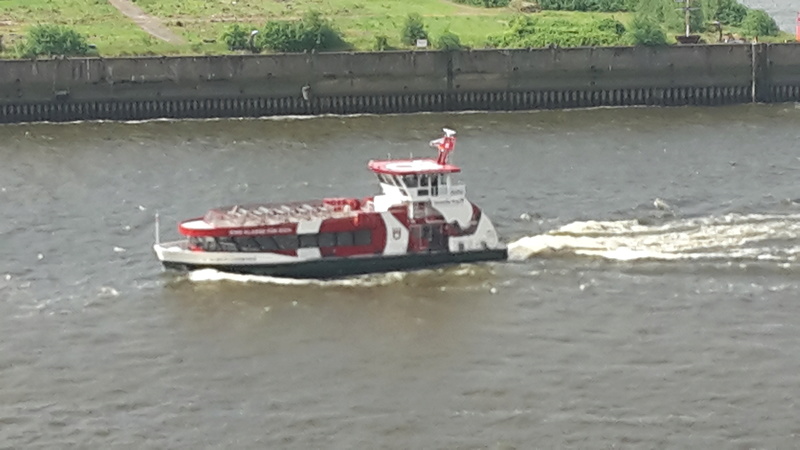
(202, 22)
(360, 21)
(102, 24)
(263, 10)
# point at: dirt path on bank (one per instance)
(146, 22)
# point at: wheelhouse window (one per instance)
(411, 180)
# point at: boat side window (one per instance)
(286, 241)
(227, 244)
(267, 243)
(208, 244)
(410, 180)
(362, 237)
(344, 239)
(308, 241)
(327, 240)
(397, 180)
(247, 244)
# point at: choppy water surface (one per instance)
(651, 300)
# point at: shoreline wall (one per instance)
(66, 89)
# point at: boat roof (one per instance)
(411, 166)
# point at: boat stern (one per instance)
(484, 238)
(168, 251)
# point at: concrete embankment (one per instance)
(395, 82)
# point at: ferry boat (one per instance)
(420, 219)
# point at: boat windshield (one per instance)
(411, 180)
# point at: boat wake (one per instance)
(211, 275)
(417, 277)
(755, 237)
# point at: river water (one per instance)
(784, 12)
(652, 299)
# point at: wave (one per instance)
(758, 237)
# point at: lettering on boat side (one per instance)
(260, 231)
(396, 233)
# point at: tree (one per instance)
(759, 23)
(728, 12)
(671, 14)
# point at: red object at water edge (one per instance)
(797, 28)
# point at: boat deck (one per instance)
(276, 214)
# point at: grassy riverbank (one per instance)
(101, 23)
(201, 22)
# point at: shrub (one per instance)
(236, 37)
(485, 3)
(527, 31)
(759, 23)
(644, 31)
(584, 5)
(449, 41)
(381, 43)
(611, 25)
(51, 40)
(312, 32)
(413, 29)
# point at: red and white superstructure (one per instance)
(421, 218)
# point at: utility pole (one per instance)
(688, 37)
(687, 16)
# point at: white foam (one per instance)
(212, 275)
(108, 291)
(733, 236)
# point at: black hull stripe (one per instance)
(343, 267)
